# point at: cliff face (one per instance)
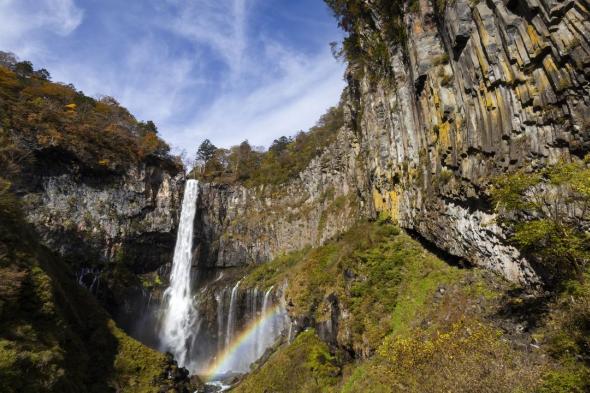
(474, 90)
(110, 227)
(236, 225)
(106, 218)
(480, 89)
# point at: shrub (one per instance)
(285, 159)
(547, 212)
(306, 365)
(467, 356)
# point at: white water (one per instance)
(266, 331)
(264, 328)
(238, 311)
(231, 317)
(178, 327)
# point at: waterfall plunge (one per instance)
(243, 333)
(178, 328)
(262, 321)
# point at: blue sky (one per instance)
(226, 70)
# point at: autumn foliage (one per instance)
(37, 114)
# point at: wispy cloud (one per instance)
(218, 69)
(282, 106)
(220, 25)
(24, 22)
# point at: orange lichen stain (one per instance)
(534, 37)
(444, 131)
(394, 205)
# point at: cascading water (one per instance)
(249, 321)
(178, 327)
(231, 317)
(262, 321)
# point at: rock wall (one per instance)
(237, 226)
(476, 89)
(105, 218)
(110, 228)
(479, 88)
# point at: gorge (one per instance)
(430, 234)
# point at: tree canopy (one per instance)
(284, 160)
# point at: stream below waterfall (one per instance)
(212, 324)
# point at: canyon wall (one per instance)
(237, 226)
(478, 89)
(473, 90)
(109, 227)
(108, 217)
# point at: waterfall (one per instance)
(231, 317)
(177, 330)
(265, 332)
(252, 321)
(220, 298)
(253, 317)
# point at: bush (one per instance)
(366, 47)
(306, 365)
(285, 159)
(467, 356)
(547, 213)
(40, 114)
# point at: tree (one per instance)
(246, 161)
(206, 151)
(548, 213)
(149, 126)
(278, 145)
(43, 74)
(24, 69)
(7, 59)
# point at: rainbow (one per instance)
(239, 342)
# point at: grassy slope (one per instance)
(417, 324)
(54, 337)
(306, 365)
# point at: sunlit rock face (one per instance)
(236, 226)
(478, 89)
(482, 88)
(110, 227)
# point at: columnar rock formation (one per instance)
(482, 89)
(475, 89)
(237, 225)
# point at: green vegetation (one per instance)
(547, 211)
(381, 276)
(284, 160)
(416, 324)
(366, 48)
(306, 365)
(566, 333)
(54, 337)
(37, 114)
(466, 356)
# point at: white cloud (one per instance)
(221, 25)
(270, 90)
(62, 16)
(282, 106)
(20, 20)
(149, 80)
(264, 88)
